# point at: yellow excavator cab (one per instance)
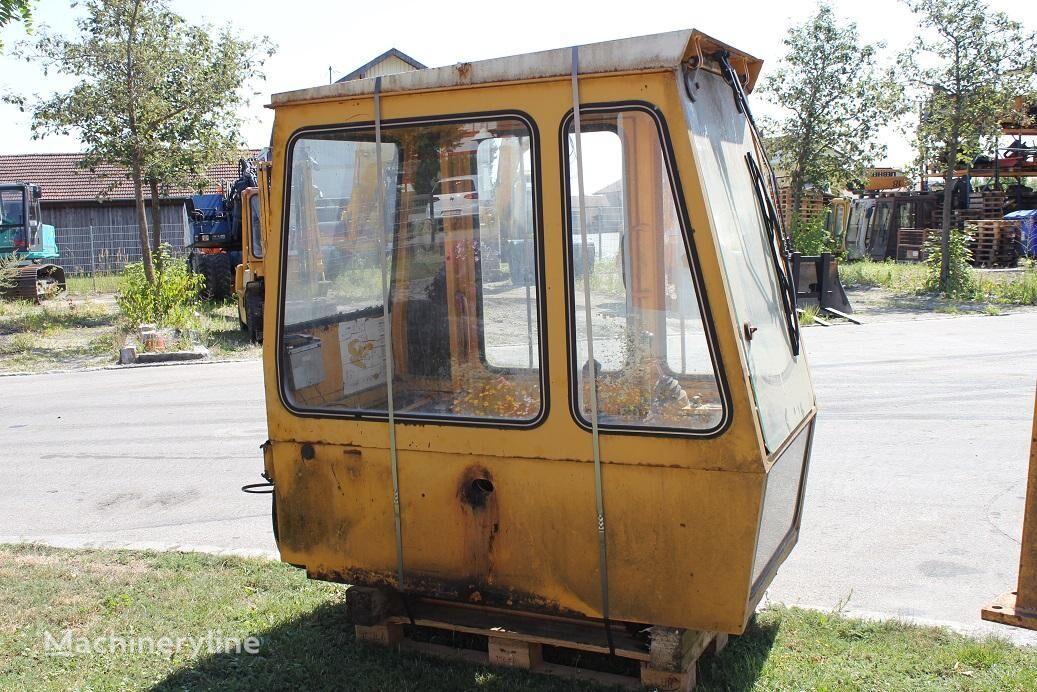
(249, 284)
(534, 357)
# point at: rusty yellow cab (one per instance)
(249, 283)
(443, 423)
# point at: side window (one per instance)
(457, 249)
(257, 229)
(651, 348)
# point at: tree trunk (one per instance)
(142, 222)
(948, 195)
(156, 215)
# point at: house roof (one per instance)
(391, 53)
(62, 180)
(640, 54)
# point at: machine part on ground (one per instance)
(30, 243)
(214, 233)
(818, 283)
(36, 282)
(418, 446)
(1019, 607)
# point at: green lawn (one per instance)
(305, 641)
(60, 334)
(86, 285)
(81, 330)
(996, 287)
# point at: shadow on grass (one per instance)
(319, 651)
(740, 665)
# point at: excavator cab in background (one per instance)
(31, 242)
(248, 275)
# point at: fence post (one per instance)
(93, 266)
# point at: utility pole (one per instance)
(329, 74)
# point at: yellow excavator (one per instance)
(248, 276)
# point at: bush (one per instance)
(961, 283)
(809, 236)
(8, 271)
(170, 302)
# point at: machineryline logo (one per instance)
(211, 642)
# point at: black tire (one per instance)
(254, 311)
(218, 272)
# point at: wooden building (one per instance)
(93, 212)
(391, 61)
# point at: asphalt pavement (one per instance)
(914, 501)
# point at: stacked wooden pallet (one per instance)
(994, 243)
(911, 243)
(665, 657)
(811, 205)
(985, 205)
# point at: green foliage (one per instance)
(834, 97)
(901, 277)
(809, 237)
(155, 96)
(961, 282)
(171, 301)
(807, 315)
(8, 271)
(965, 67)
(15, 11)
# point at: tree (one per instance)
(15, 11)
(156, 96)
(965, 66)
(835, 100)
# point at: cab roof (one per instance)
(639, 54)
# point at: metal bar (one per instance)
(592, 364)
(93, 267)
(387, 330)
(839, 313)
(529, 325)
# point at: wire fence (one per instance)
(106, 250)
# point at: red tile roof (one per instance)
(62, 180)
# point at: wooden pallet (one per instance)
(911, 243)
(994, 242)
(811, 205)
(667, 656)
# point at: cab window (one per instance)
(652, 354)
(447, 223)
(256, 228)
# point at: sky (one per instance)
(344, 36)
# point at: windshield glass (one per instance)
(652, 358)
(12, 208)
(256, 228)
(722, 140)
(461, 267)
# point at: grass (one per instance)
(60, 334)
(999, 288)
(306, 642)
(807, 314)
(221, 331)
(102, 283)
